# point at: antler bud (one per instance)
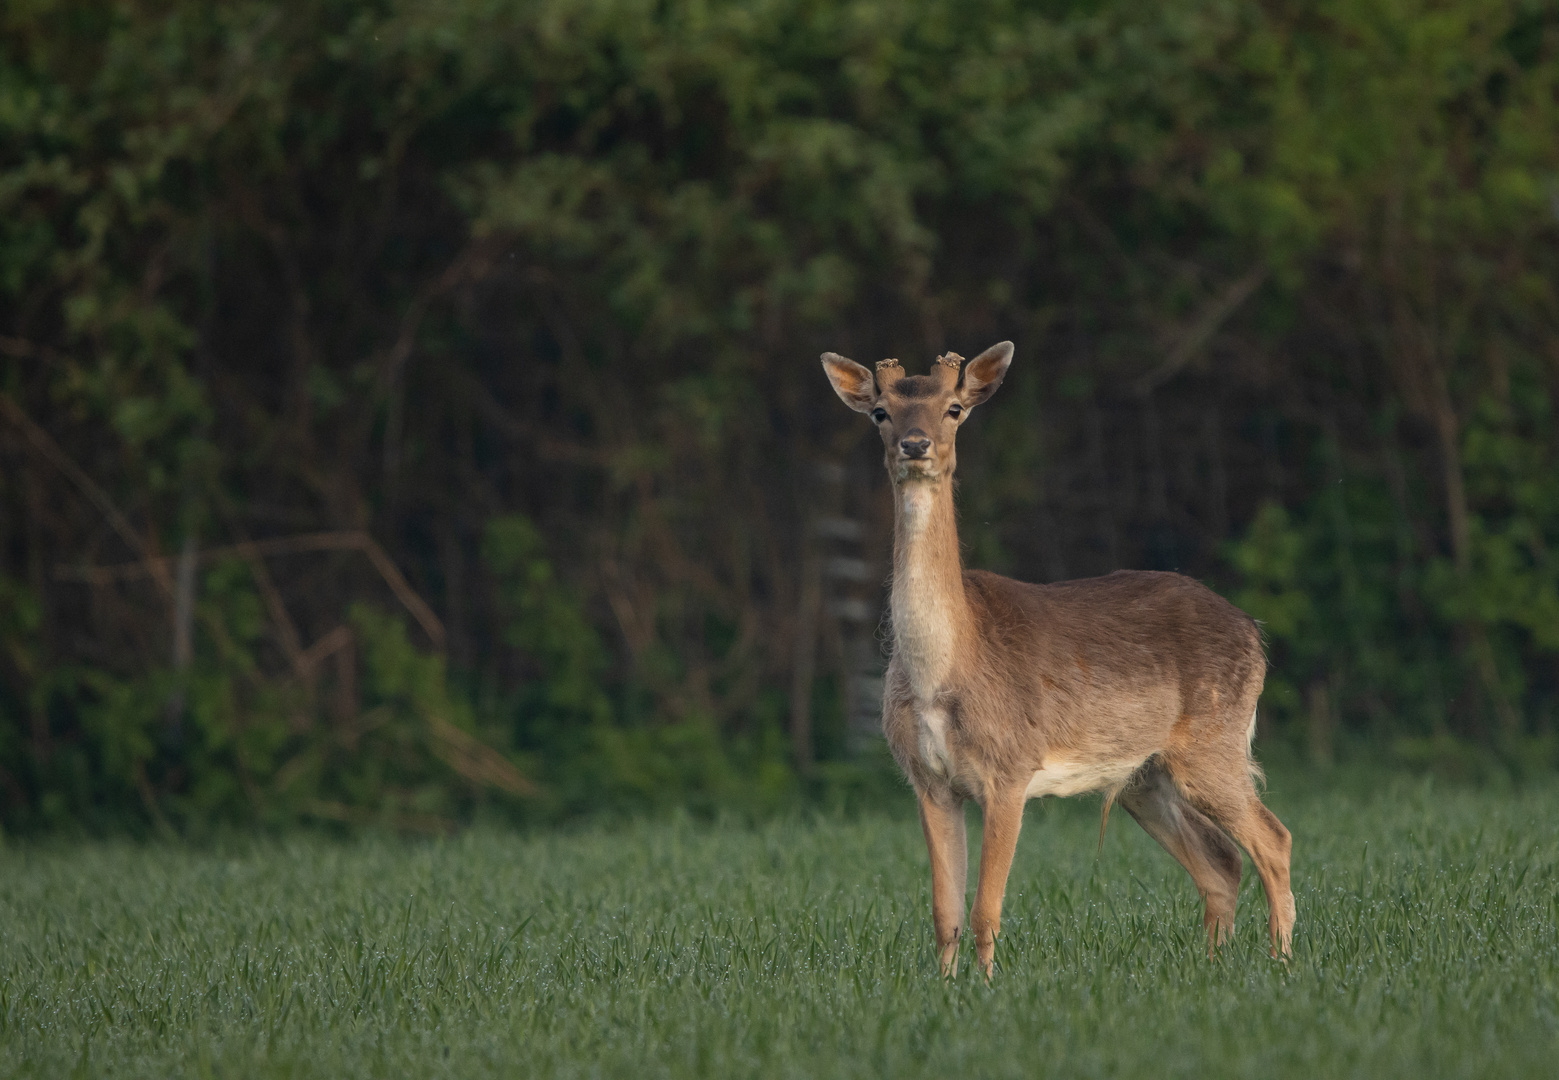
(948, 369)
(888, 373)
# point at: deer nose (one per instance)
(915, 446)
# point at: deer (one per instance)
(1139, 685)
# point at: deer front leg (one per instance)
(948, 846)
(999, 840)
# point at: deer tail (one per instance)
(1104, 816)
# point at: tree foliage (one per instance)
(529, 294)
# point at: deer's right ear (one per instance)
(853, 383)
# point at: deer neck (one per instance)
(930, 610)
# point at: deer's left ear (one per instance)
(982, 375)
(853, 383)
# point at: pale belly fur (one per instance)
(1058, 777)
(1075, 777)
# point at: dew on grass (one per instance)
(1426, 946)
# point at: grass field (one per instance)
(1428, 945)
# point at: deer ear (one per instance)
(853, 383)
(982, 375)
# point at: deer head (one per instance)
(918, 416)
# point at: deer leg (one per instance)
(1197, 844)
(1237, 809)
(1271, 846)
(998, 842)
(948, 846)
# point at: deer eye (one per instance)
(879, 415)
(955, 410)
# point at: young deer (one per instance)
(1139, 685)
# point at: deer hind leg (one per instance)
(947, 844)
(1228, 796)
(1197, 844)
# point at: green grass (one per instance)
(1426, 946)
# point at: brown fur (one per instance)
(1141, 685)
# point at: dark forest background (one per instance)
(412, 407)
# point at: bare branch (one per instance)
(475, 760)
(1203, 327)
(353, 540)
(316, 654)
(159, 568)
